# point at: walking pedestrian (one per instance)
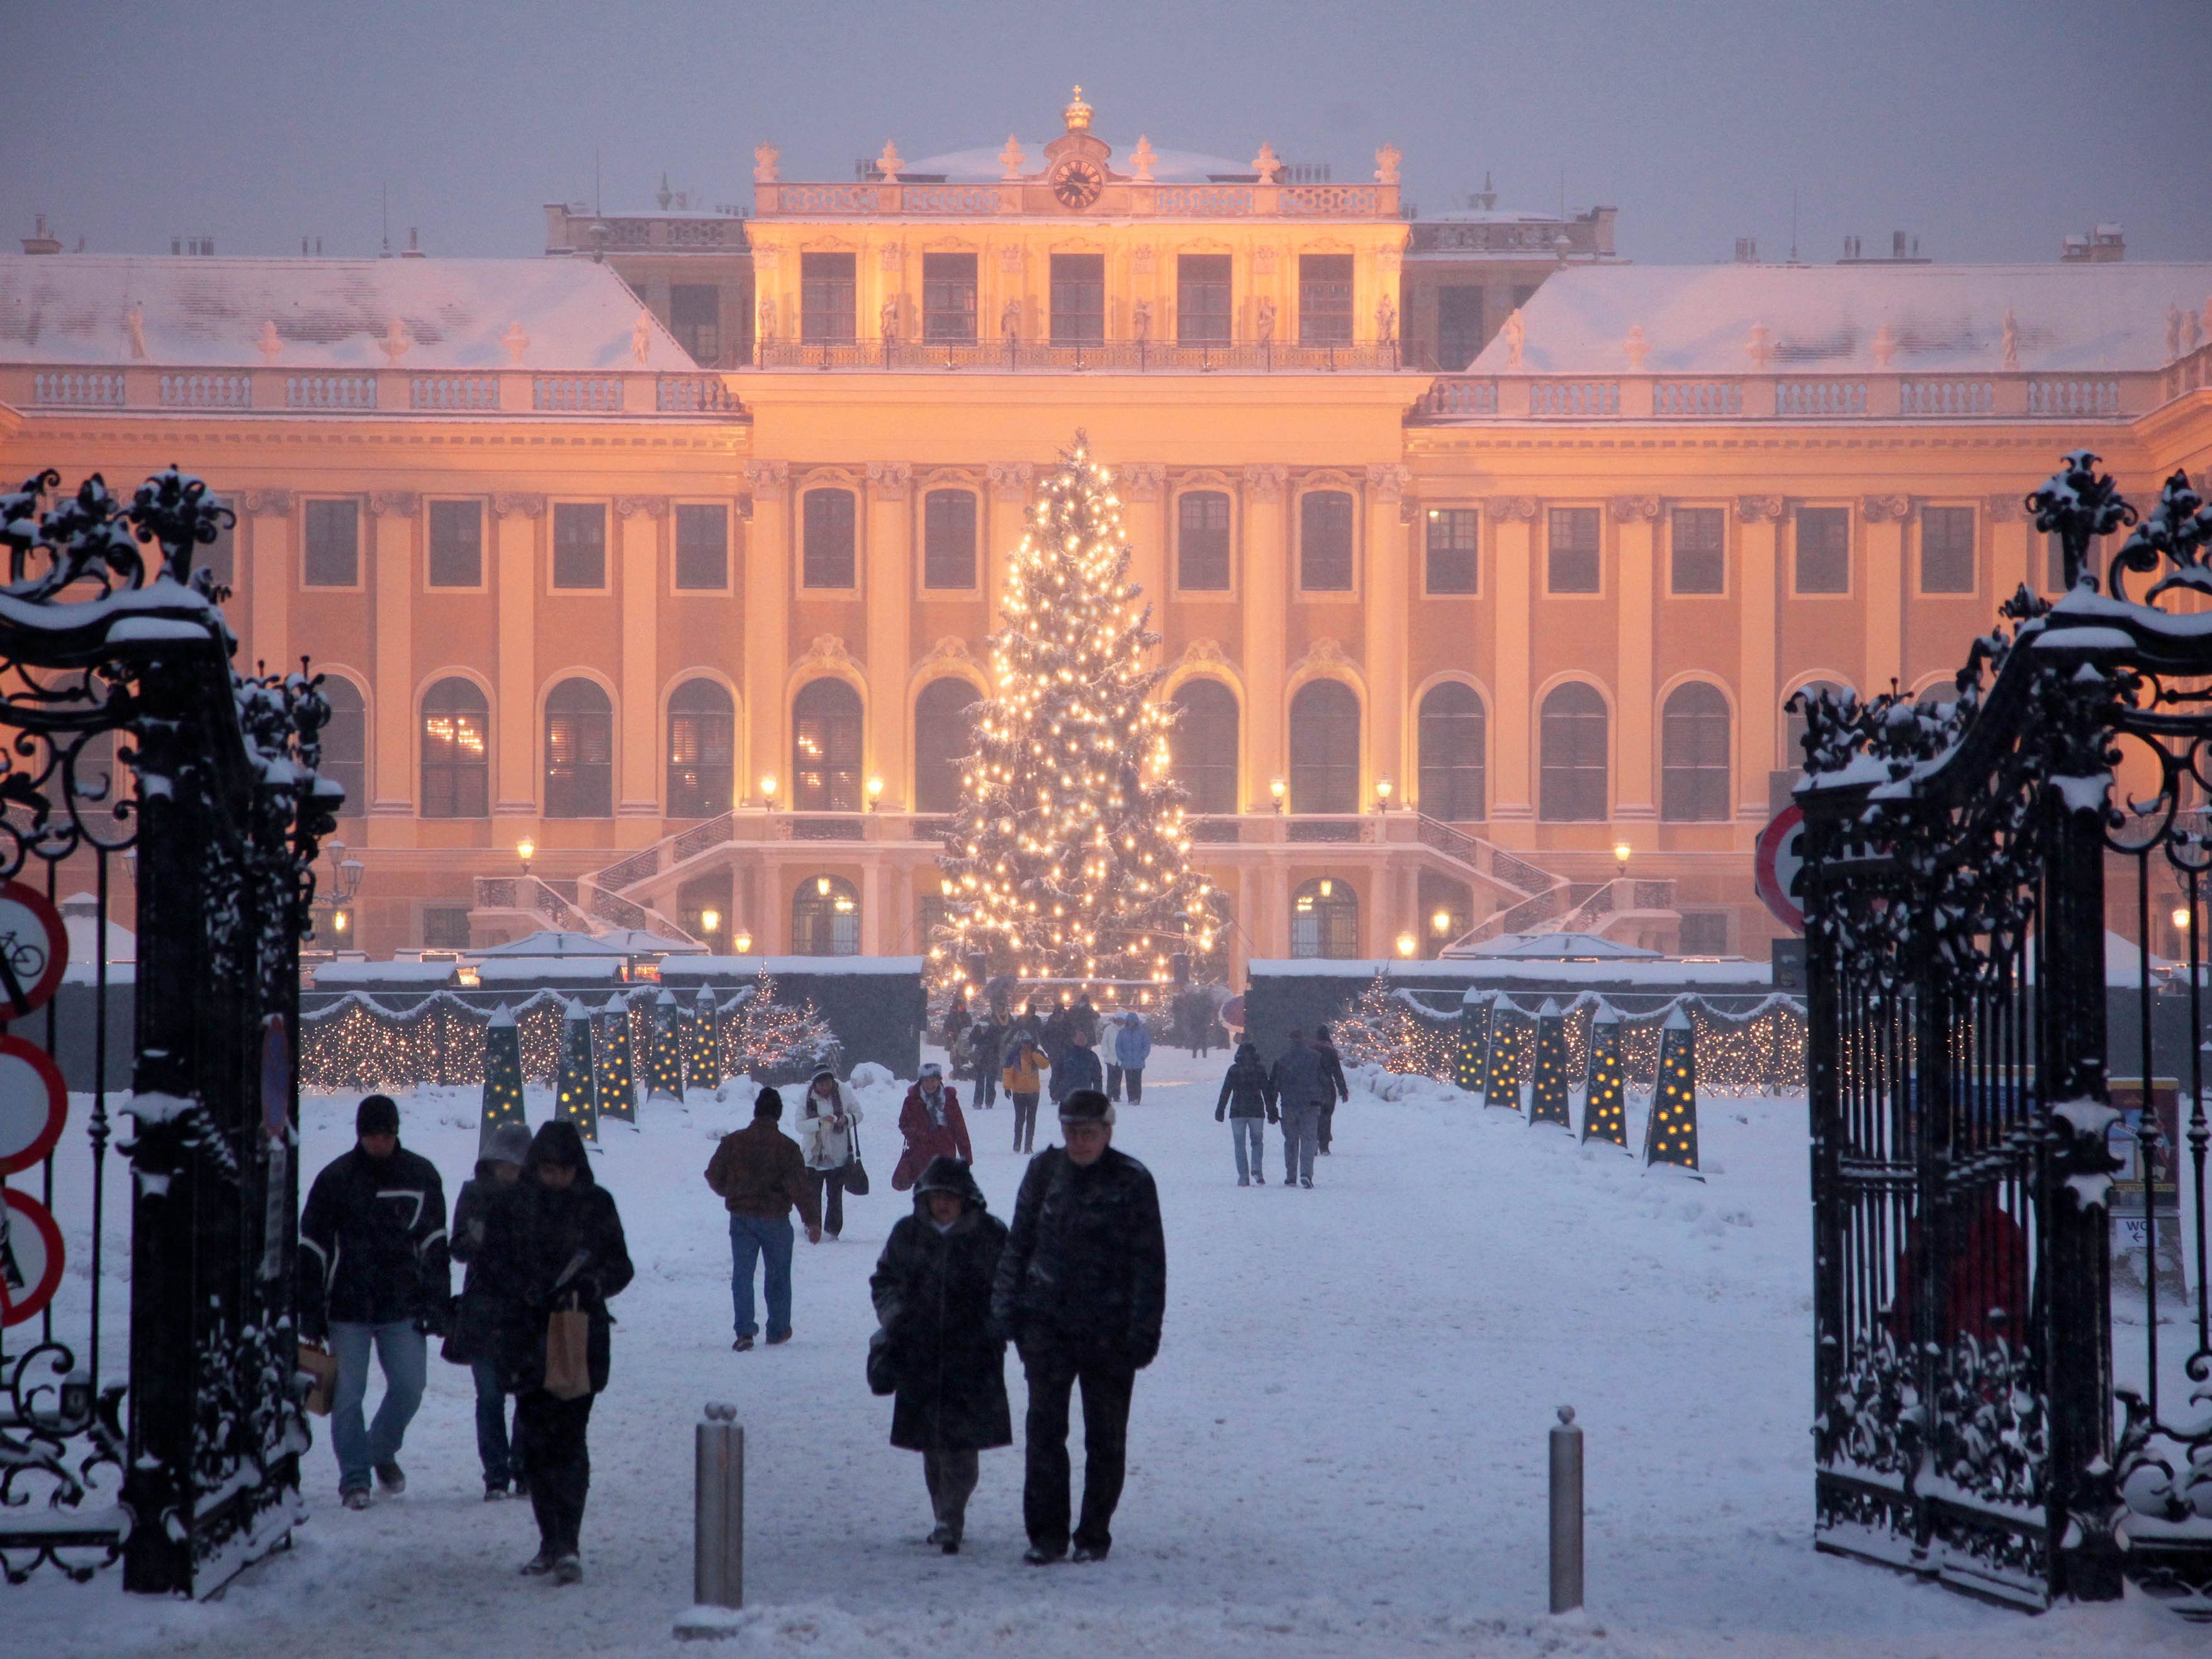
(1083, 1021)
(932, 1289)
(986, 1044)
(1332, 1075)
(473, 1340)
(1076, 1067)
(760, 1175)
(1024, 1076)
(372, 1274)
(1130, 1047)
(556, 1248)
(1080, 1291)
(1249, 1103)
(930, 1119)
(827, 1118)
(1299, 1089)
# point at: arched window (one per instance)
(1204, 745)
(579, 751)
(825, 918)
(1324, 748)
(942, 736)
(456, 752)
(1325, 918)
(702, 749)
(346, 744)
(1573, 787)
(1693, 755)
(825, 748)
(1793, 731)
(1453, 753)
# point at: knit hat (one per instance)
(930, 1068)
(1087, 1106)
(509, 1144)
(767, 1103)
(377, 1114)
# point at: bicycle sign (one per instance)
(33, 949)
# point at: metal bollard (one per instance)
(718, 1562)
(1566, 1513)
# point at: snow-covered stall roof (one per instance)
(386, 975)
(114, 310)
(1698, 319)
(695, 970)
(550, 970)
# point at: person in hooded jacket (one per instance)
(986, 1045)
(1332, 1074)
(474, 1339)
(828, 1115)
(1128, 1046)
(1248, 1100)
(930, 1119)
(557, 1244)
(1023, 1075)
(932, 1288)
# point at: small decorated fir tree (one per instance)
(502, 1077)
(1548, 1100)
(1380, 1029)
(1471, 1050)
(1605, 1107)
(618, 1079)
(781, 1042)
(1670, 1134)
(702, 1045)
(665, 1078)
(576, 1094)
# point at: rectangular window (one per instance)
(702, 545)
(457, 544)
(1459, 327)
(579, 544)
(826, 559)
(948, 297)
(1572, 547)
(1202, 542)
(1452, 549)
(948, 539)
(1324, 299)
(219, 557)
(1079, 298)
(1705, 933)
(1824, 550)
(1947, 549)
(1700, 537)
(1325, 542)
(331, 556)
(445, 927)
(1202, 315)
(694, 317)
(825, 298)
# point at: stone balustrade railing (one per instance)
(1454, 398)
(280, 390)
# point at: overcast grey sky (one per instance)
(1989, 128)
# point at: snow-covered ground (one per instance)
(1340, 1451)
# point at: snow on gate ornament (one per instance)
(33, 1105)
(33, 948)
(30, 1257)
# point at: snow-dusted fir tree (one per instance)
(776, 1040)
(1070, 857)
(1380, 1029)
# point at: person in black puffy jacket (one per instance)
(473, 1339)
(1247, 1101)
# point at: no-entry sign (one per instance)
(1776, 864)
(33, 949)
(32, 1105)
(30, 1258)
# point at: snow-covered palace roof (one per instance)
(1700, 320)
(114, 310)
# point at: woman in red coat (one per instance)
(933, 1125)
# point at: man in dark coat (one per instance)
(372, 1273)
(473, 1340)
(1299, 1087)
(556, 1245)
(1078, 1067)
(1081, 1291)
(932, 1289)
(986, 1038)
(1332, 1075)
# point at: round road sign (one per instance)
(30, 1258)
(33, 949)
(1776, 863)
(33, 1105)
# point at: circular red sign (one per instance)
(34, 1104)
(33, 949)
(30, 1258)
(1775, 865)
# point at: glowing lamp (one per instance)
(526, 849)
(1382, 794)
(1326, 887)
(2181, 919)
(768, 787)
(1621, 852)
(340, 920)
(875, 793)
(1440, 923)
(1407, 943)
(1278, 788)
(822, 886)
(710, 922)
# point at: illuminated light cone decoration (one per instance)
(502, 1077)
(666, 1076)
(1548, 1100)
(617, 1080)
(703, 1049)
(1473, 1047)
(576, 1094)
(1605, 1107)
(1070, 856)
(1670, 1134)
(1502, 1087)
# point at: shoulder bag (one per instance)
(855, 1172)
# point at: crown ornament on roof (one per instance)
(1078, 114)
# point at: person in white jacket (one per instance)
(827, 1117)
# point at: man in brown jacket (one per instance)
(759, 1173)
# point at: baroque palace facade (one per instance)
(652, 578)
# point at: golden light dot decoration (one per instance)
(1502, 1088)
(1547, 1096)
(575, 1092)
(665, 1076)
(616, 1078)
(702, 1050)
(503, 1077)
(1472, 1039)
(1070, 855)
(1605, 1101)
(1670, 1134)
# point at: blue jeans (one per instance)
(404, 1352)
(1251, 1131)
(500, 1452)
(753, 1240)
(1301, 1136)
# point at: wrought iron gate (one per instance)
(1963, 1112)
(129, 740)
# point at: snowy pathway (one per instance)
(1340, 1450)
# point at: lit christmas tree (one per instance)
(1470, 1055)
(1605, 1107)
(665, 1078)
(703, 1048)
(1502, 1087)
(1070, 857)
(1380, 1029)
(1670, 1134)
(1547, 1101)
(502, 1077)
(617, 1081)
(577, 1096)
(781, 1043)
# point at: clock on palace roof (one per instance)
(1075, 162)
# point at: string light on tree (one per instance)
(1548, 1100)
(1070, 855)
(503, 1077)
(1605, 1106)
(1670, 1134)
(577, 1096)
(1382, 1029)
(773, 1041)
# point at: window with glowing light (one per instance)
(1203, 521)
(703, 738)
(948, 539)
(703, 910)
(1325, 918)
(345, 743)
(1325, 518)
(579, 751)
(825, 748)
(826, 556)
(825, 918)
(456, 752)
(1454, 753)
(1325, 748)
(1694, 751)
(1454, 548)
(942, 736)
(1572, 785)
